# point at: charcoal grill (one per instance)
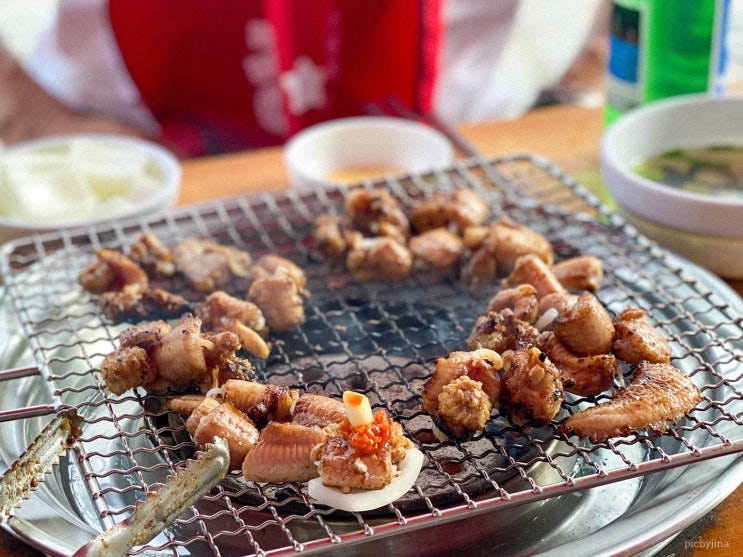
(507, 491)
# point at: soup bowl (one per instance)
(705, 228)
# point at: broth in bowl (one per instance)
(715, 170)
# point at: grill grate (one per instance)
(379, 339)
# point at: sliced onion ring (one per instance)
(368, 499)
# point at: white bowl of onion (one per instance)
(674, 168)
(78, 180)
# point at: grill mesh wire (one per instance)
(382, 340)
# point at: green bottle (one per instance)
(662, 48)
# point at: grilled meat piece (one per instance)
(348, 465)
(270, 264)
(131, 305)
(637, 339)
(150, 253)
(532, 269)
(532, 390)
(221, 312)
(279, 298)
(438, 248)
(521, 300)
(313, 410)
(178, 356)
(583, 272)
(330, 234)
(581, 375)
(127, 368)
(585, 328)
(658, 396)
(230, 424)
(454, 210)
(482, 365)
(376, 212)
(479, 268)
(283, 454)
(207, 265)
(508, 241)
(463, 407)
(379, 259)
(113, 271)
(261, 402)
(501, 331)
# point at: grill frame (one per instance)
(529, 189)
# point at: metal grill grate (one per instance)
(379, 339)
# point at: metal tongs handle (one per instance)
(29, 469)
(163, 506)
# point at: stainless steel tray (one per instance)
(505, 492)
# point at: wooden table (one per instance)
(568, 136)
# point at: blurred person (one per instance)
(217, 76)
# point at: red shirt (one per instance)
(223, 75)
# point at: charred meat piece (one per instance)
(150, 253)
(113, 271)
(521, 300)
(376, 212)
(581, 375)
(154, 303)
(532, 390)
(261, 402)
(501, 331)
(637, 339)
(207, 265)
(178, 356)
(482, 365)
(127, 368)
(658, 396)
(460, 406)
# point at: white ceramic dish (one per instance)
(364, 147)
(79, 180)
(707, 230)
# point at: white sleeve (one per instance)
(78, 61)
(499, 56)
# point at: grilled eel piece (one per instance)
(658, 397)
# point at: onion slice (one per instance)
(368, 499)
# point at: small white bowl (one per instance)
(78, 180)
(704, 228)
(348, 150)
